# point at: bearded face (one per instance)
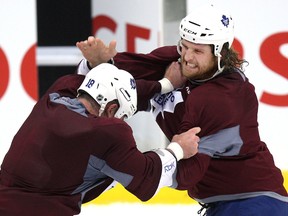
(197, 60)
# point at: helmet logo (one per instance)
(225, 21)
(189, 31)
(99, 97)
(133, 83)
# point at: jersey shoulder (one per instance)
(66, 83)
(114, 129)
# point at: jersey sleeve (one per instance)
(149, 66)
(146, 89)
(140, 173)
(147, 69)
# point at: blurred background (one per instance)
(37, 45)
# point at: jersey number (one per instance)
(90, 83)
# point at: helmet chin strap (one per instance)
(101, 110)
(220, 69)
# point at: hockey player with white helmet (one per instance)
(75, 144)
(201, 82)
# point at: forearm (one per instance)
(169, 158)
(151, 66)
(145, 92)
(191, 171)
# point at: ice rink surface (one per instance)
(132, 209)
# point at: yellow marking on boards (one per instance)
(164, 196)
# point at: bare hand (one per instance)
(95, 51)
(188, 141)
(174, 74)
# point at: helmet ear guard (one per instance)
(127, 96)
(106, 83)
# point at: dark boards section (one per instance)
(60, 23)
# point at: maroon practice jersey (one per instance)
(63, 156)
(232, 162)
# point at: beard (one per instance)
(200, 73)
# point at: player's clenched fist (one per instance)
(185, 145)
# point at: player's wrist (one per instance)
(166, 85)
(89, 65)
(111, 61)
(176, 150)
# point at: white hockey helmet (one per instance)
(207, 25)
(105, 83)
